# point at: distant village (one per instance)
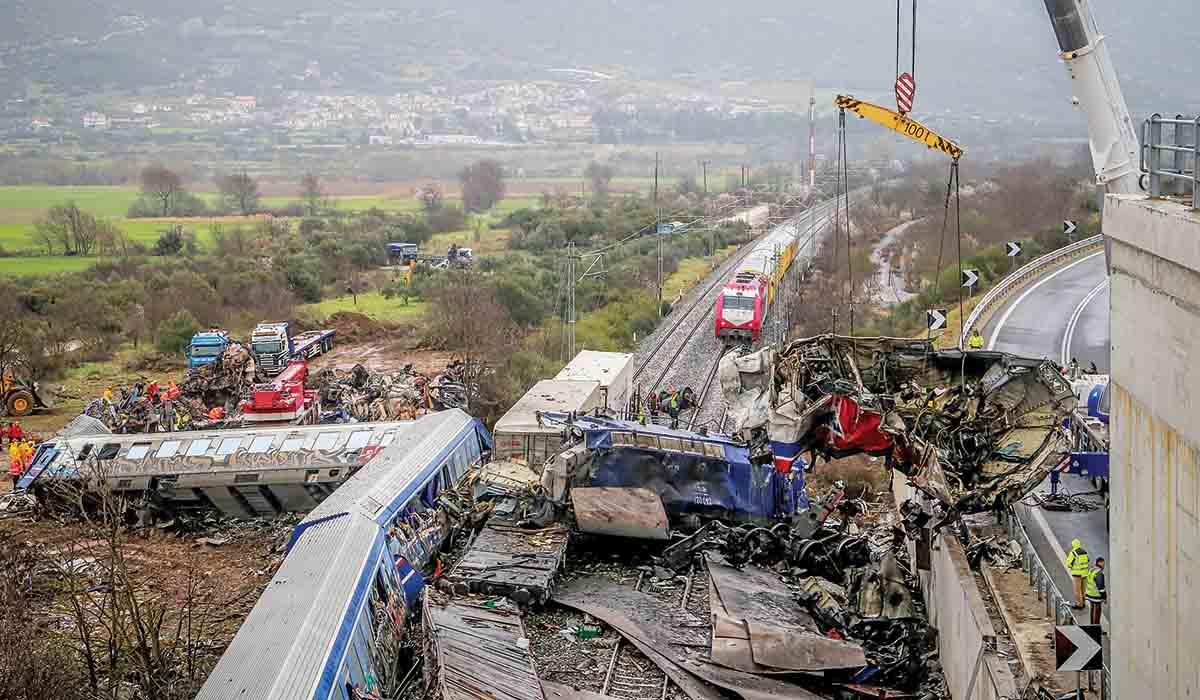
(485, 113)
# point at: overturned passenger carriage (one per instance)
(329, 624)
(241, 473)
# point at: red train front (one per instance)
(740, 308)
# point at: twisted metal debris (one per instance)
(972, 430)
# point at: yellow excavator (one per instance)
(19, 398)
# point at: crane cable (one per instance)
(845, 167)
(912, 70)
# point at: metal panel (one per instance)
(479, 653)
(620, 512)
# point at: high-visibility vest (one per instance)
(975, 342)
(1093, 590)
(1077, 562)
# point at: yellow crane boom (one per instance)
(899, 123)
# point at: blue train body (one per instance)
(692, 473)
(330, 622)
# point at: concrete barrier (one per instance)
(966, 638)
(1017, 280)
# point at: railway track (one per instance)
(678, 357)
(630, 673)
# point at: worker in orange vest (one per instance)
(216, 413)
(27, 450)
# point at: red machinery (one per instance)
(284, 400)
(741, 307)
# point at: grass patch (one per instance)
(21, 205)
(491, 242)
(692, 271)
(370, 304)
(25, 267)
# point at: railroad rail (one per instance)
(675, 356)
(630, 673)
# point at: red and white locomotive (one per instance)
(745, 300)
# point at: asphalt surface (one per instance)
(1064, 312)
(1059, 308)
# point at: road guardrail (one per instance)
(998, 294)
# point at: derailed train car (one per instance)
(709, 476)
(329, 624)
(239, 472)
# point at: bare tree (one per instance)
(600, 176)
(482, 185)
(312, 193)
(73, 229)
(162, 184)
(239, 192)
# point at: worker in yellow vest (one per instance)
(975, 342)
(1078, 565)
(1097, 594)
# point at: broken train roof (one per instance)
(973, 430)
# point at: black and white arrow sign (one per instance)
(1077, 648)
(1069, 226)
(935, 319)
(1014, 249)
(969, 278)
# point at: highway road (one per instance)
(1062, 315)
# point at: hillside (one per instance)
(991, 55)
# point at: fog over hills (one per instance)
(988, 55)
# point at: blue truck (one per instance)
(206, 347)
(273, 346)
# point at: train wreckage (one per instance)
(714, 571)
(971, 430)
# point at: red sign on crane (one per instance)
(906, 87)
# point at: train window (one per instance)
(261, 444)
(334, 472)
(326, 441)
(735, 302)
(387, 438)
(109, 451)
(292, 444)
(168, 448)
(358, 440)
(85, 451)
(124, 483)
(139, 450)
(198, 447)
(245, 478)
(228, 446)
(311, 476)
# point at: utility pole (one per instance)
(658, 237)
(812, 142)
(572, 257)
(704, 168)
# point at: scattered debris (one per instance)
(998, 552)
(507, 560)
(475, 652)
(368, 396)
(973, 430)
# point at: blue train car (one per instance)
(329, 624)
(692, 473)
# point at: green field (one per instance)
(23, 267)
(371, 304)
(21, 205)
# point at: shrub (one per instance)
(175, 333)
